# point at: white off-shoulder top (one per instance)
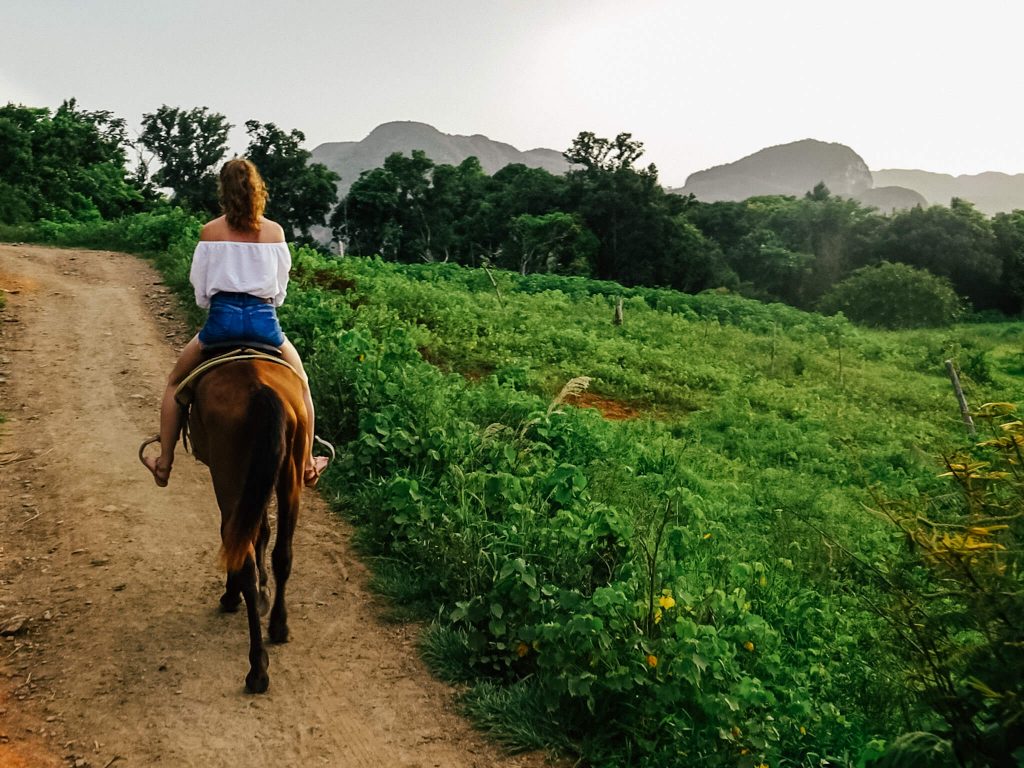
(260, 269)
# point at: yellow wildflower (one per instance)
(707, 536)
(803, 731)
(652, 660)
(522, 649)
(666, 601)
(657, 615)
(749, 646)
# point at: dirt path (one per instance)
(122, 658)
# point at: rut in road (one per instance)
(123, 655)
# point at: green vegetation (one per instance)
(730, 579)
(894, 296)
(606, 218)
(610, 220)
(763, 566)
(66, 166)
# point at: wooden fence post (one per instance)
(965, 412)
(617, 320)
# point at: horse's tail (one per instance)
(266, 436)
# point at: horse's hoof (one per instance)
(263, 601)
(278, 633)
(230, 603)
(257, 682)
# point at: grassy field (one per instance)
(709, 575)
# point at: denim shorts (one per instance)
(241, 317)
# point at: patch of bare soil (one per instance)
(613, 410)
(112, 651)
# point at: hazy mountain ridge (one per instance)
(350, 158)
(785, 169)
(794, 169)
(992, 192)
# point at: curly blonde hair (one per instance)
(243, 195)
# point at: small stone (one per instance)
(14, 626)
(110, 508)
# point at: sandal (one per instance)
(311, 475)
(161, 475)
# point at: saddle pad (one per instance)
(185, 391)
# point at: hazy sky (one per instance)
(906, 83)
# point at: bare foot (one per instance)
(314, 468)
(161, 472)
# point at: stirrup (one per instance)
(325, 444)
(145, 444)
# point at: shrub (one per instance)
(894, 296)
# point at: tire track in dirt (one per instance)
(122, 655)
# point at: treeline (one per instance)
(72, 165)
(610, 220)
(607, 218)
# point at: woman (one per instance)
(240, 272)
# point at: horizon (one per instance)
(920, 86)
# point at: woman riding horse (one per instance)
(240, 273)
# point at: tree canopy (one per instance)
(68, 165)
(894, 296)
(189, 144)
(302, 194)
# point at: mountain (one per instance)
(350, 158)
(891, 199)
(794, 169)
(787, 169)
(990, 192)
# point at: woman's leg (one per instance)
(313, 466)
(170, 412)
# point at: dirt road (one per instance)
(114, 653)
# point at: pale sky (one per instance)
(906, 83)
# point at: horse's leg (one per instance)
(261, 564)
(289, 488)
(232, 596)
(257, 680)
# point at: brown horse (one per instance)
(248, 425)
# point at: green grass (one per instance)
(726, 534)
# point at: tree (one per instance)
(1008, 229)
(70, 165)
(894, 296)
(188, 145)
(553, 242)
(385, 210)
(955, 242)
(772, 271)
(598, 154)
(644, 235)
(301, 193)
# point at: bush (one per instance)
(894, 296)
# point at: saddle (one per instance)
(229, 352)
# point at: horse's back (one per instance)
(240, 409)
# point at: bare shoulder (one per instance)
(271, 231)
(214, 230)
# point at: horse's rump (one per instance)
(244, 421)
